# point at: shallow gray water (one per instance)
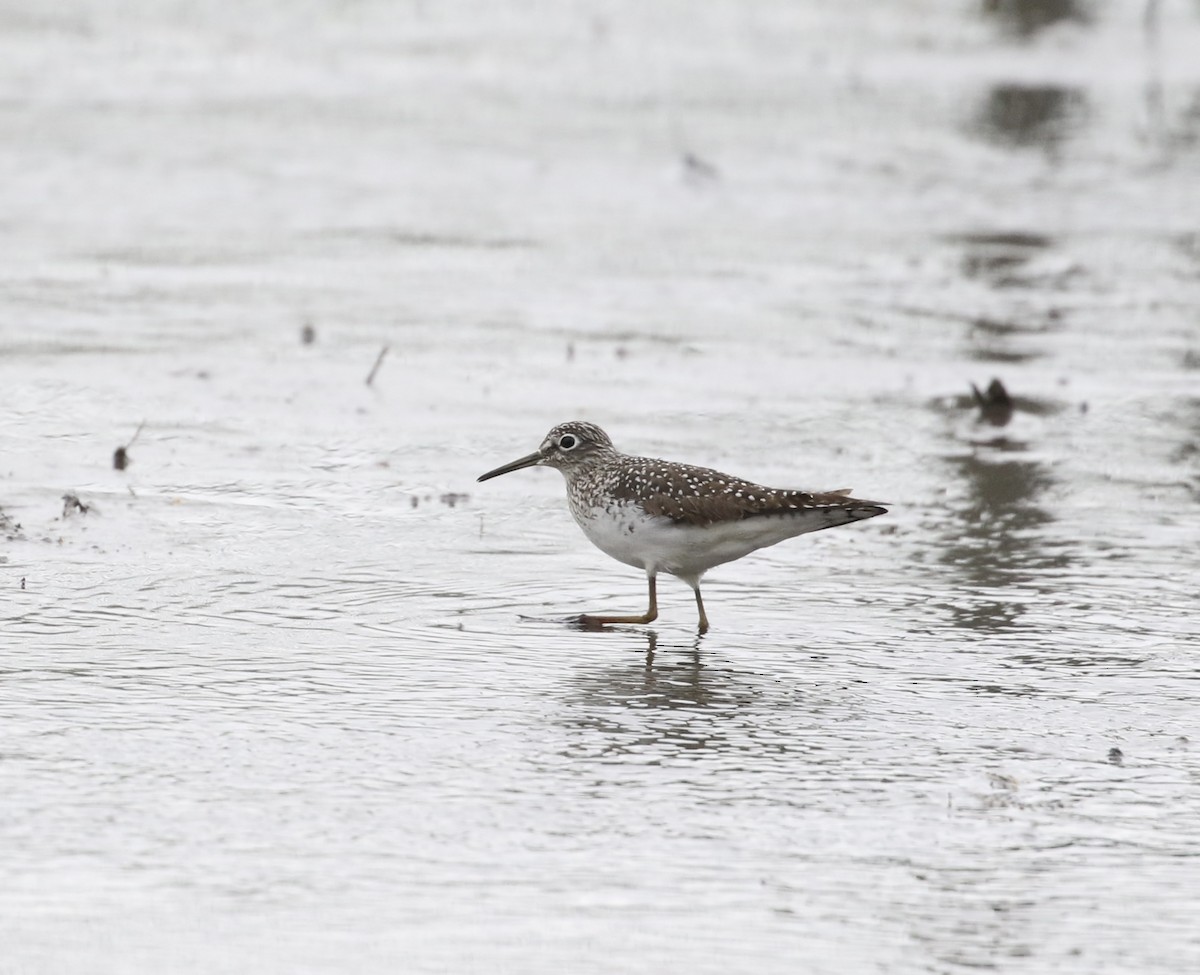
(294, 694)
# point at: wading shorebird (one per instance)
(662, 516)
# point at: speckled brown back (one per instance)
(700, 496)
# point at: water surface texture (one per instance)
(294, 695)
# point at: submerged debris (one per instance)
(451, 499)
(699, 169)
(995, 405)
(10, 529)
(71, 504)
(308, 334)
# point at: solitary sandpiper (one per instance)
(661, 516)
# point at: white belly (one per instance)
(657, 544)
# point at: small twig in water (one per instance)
(378, 363)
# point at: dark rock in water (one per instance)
(995, 405)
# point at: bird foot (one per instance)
(585, 622)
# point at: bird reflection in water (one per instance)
(1025, 18)
(1022, 116)
(674, 701)
(671, 676)
(997, 541)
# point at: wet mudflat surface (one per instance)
(294, 692)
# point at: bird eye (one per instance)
(567, 442)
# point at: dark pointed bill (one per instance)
(516, 465)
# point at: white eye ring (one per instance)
(568, 441)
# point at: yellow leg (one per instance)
(703, 615)
(649, 616)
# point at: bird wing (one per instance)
(704, 510)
